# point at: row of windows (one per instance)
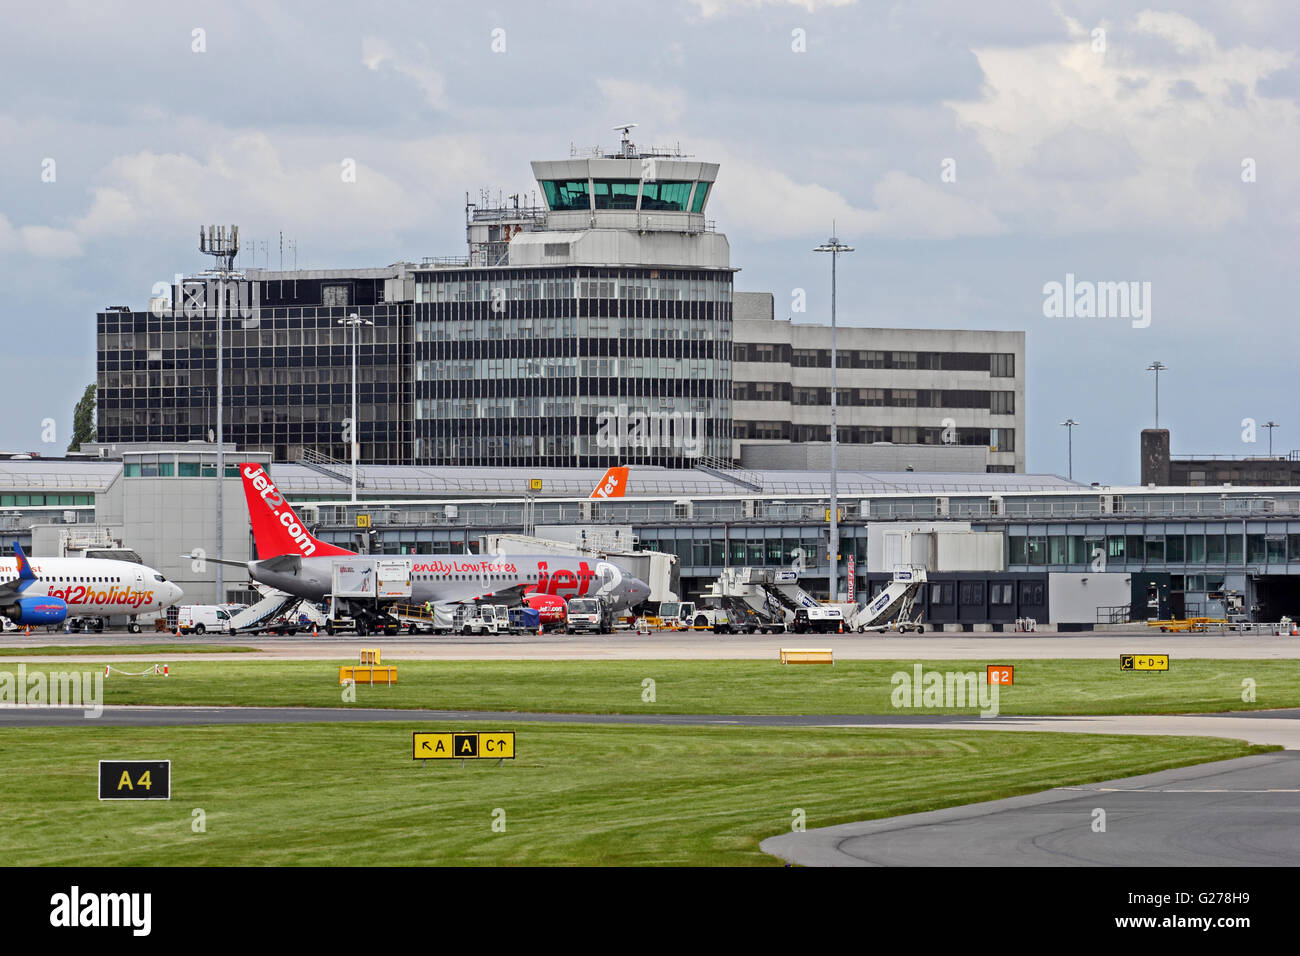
(496, 327)
(997, 439)
(510, 368)
(186, 378)
(279, 317)
(1229, 549)
(39, 501)
(173, 469)
(765, 552)
(1004, 402)
(261, 337)
(998, 593)
(604, 409)
(648, 195)
(997, 364)
(513, 287)
(327, 415)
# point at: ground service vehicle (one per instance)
(201, 618)
(590, 615)
(819, 620)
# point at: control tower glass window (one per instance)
(566, 194)
(701, 193)
(666, 195)
(616, 193)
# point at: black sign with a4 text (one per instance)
(135, 780)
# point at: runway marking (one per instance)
(1149, 790)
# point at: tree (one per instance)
(83, 419)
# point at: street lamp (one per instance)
(354, 320)
(834, 247)
(1069, 424)
(1270, 425)
(1157, 367)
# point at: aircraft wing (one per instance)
(512, 595)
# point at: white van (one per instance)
(201, 618)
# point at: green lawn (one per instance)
(104, 650)
(715, 687)
(333, 794)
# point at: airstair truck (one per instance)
(894, 608)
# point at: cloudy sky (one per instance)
(972, 152)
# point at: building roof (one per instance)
(297, 479)
(58, 474)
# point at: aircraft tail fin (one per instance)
(613, 484)
(277, 529)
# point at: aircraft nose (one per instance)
(174, 593)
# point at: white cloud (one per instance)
(375, 52)
(1089, 141)
(646, 104)
(759, 200)
(718, 8)
(49, 243)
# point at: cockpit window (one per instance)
(159, 577)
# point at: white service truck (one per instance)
(201, 618)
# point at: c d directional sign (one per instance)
(498, 745)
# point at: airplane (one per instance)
(292, 560)
(50, 590)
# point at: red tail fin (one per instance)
(613, 484)
(276, 528)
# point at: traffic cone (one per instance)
(539, 629)
(28, 631)
(106, 669)
(841, 627)
(1295, 630)
(314, 632)
(164, 670)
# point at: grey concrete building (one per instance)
(949, 391)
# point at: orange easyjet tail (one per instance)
(613, 484)
(276, 528)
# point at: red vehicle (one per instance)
(551, 610)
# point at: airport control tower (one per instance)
(595, 330)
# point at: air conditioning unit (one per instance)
(587, 510)
(309, 514)
(683, 508)
(1111, 504)
(451, 512)
(751, 508)
(941, 507)
(995, 504)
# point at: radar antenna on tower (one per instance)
(626, 147)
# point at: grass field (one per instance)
(116, 650)
(715, 687)
(350, 794)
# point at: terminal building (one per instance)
(999, 547)
(599, 326)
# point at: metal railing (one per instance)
(1115, 614)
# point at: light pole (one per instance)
(834, 247)
(1270, 425)
(1069, 424)
(1157, 367)
(354, 320)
